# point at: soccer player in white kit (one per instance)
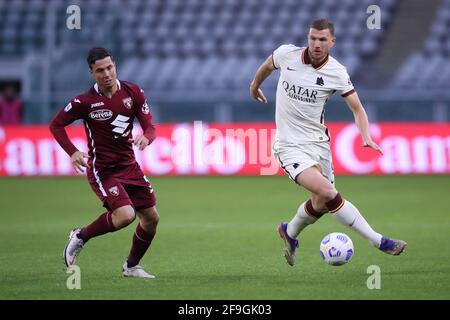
(308, 77)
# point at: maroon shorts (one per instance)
(122, 185)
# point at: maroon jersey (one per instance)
(108, 124)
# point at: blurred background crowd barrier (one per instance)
(195, 60)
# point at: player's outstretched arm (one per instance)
(262, 73)
(361, 120)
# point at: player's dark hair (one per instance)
(323, 24)
(97, 54)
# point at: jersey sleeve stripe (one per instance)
(348, 93)
(273, 62)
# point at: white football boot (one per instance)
(135, 272)
(73, 248)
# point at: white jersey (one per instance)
(303, 90)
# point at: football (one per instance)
(336, 249)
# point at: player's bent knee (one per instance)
(150, 215)
(327, 194)
(124, 216)
(155, 217)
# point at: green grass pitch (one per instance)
(217, 240)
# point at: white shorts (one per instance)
(294, 159)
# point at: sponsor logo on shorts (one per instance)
(101, 115)
(114, 191)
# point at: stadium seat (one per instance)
(435, 54)
(223, 41)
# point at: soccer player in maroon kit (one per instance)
(108, 110)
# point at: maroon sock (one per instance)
(102, 225)
(141, 241)
(335, 204)
(311, 211)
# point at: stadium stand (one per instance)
(435, 55)
(200, 52)
(208, 44)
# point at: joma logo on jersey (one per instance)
(98, 104)
(300, 93)
(101, 115)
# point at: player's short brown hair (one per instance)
(97, 54)
(323, 24)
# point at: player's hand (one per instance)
(373, 145)
(79, 162)
(257, 94)
(141, 142)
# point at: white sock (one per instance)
(349, 215)
(299, 221)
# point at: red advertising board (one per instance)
(237, 149)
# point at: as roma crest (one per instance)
(128, 102)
